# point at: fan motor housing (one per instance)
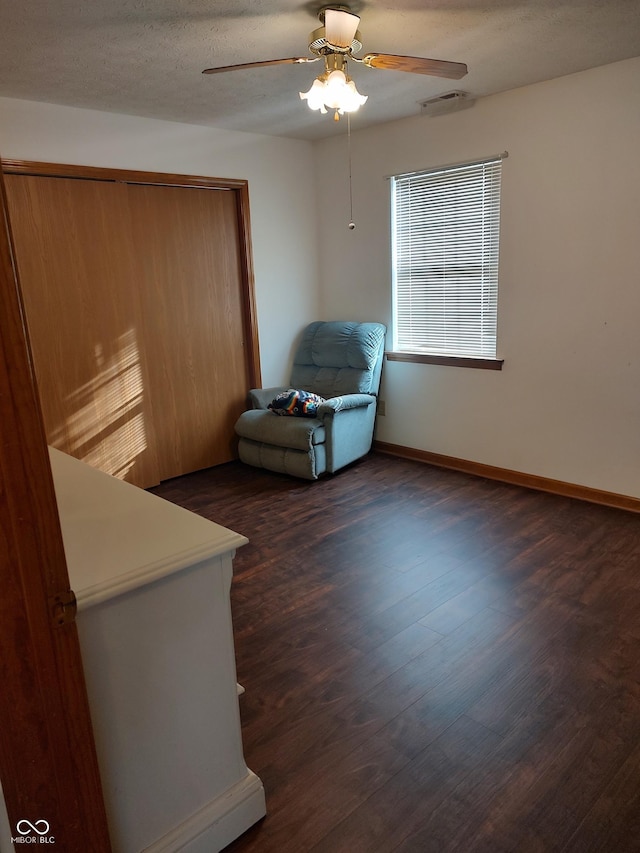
(319, 45)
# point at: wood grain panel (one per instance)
(75, 260)
(48, 765)
(190, 277)
(239, 186)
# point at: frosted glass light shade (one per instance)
(334, 92)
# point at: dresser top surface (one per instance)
(117, 537)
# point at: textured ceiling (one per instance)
(145, 57)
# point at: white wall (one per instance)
(281, 182)
(567, 403)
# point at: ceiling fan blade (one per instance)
(340, 27)
(416, 65)
(293, 60)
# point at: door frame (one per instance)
(238, 186)
(48, 764)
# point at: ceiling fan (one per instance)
(336, 42)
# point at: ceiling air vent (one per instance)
(447, 103)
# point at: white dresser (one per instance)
(152, 583)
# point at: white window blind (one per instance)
(445, 226)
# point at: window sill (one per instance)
(452, 360)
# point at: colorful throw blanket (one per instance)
(301, 404)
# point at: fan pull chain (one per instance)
(352, 224)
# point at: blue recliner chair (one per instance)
(341, 362)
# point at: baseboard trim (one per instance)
(217, 824)
(515, 478)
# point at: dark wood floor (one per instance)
(432, 661)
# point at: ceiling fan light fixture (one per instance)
(336, 42)
(334, 91)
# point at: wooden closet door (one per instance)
(75, 258)
(190, 278)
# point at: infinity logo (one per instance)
(24, 827)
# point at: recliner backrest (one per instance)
(336, 358)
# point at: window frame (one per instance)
(477, 360)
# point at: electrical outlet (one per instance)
(382, 408)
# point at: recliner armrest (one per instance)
(346, 401)
(261, 397)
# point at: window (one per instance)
(445, 231)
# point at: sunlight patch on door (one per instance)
(106, 428)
